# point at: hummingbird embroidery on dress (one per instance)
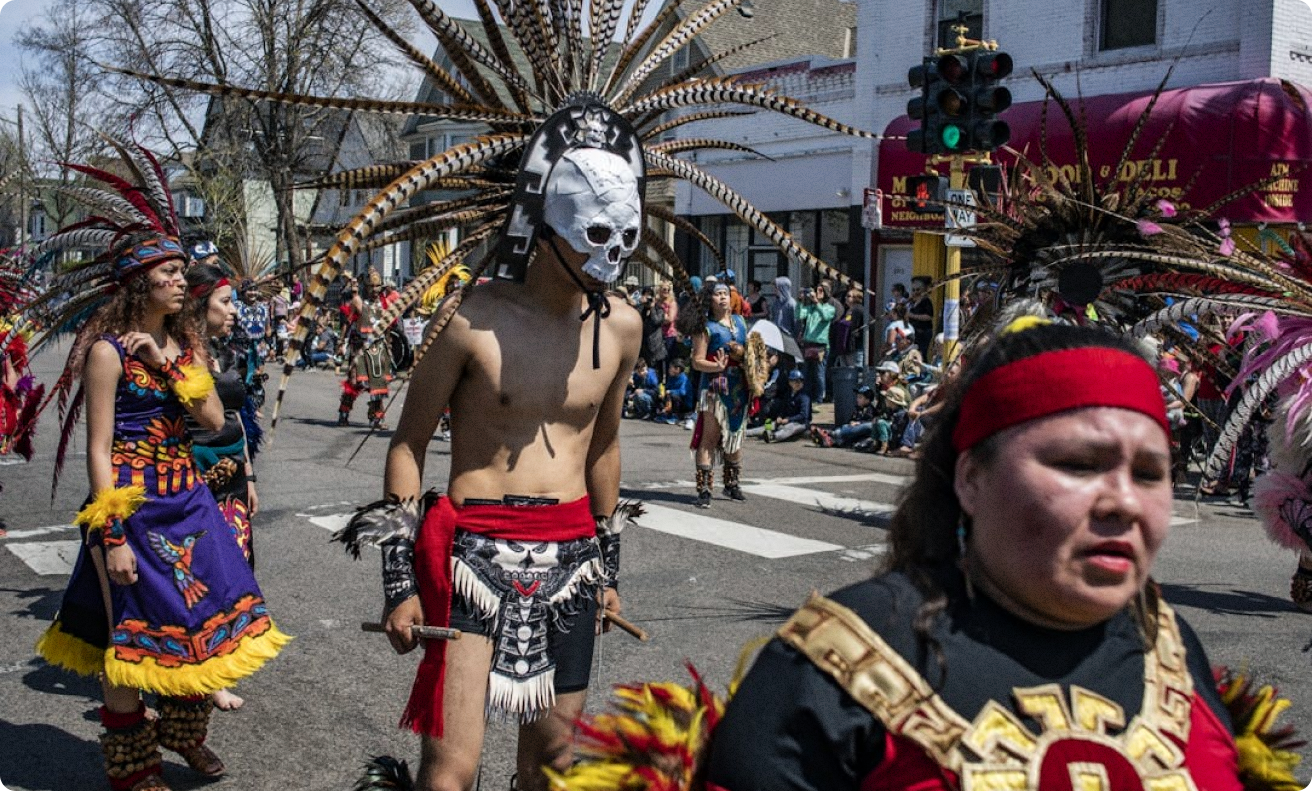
(192, 589)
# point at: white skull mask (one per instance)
(592, 202)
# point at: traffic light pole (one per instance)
(952, 261)
(952, 268)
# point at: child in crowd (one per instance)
(861, 426)
(640, 400)
(789, 414)
(679, 393)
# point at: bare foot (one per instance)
(226, 701)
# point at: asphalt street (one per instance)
(702, 583)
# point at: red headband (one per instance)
(200, 288)
(1053, 382)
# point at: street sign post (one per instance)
(960, 214)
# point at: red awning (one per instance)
(1222, 138)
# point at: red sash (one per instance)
(563, 522)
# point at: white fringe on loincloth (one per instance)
(511, 700)
(466, 584)
(712, 406)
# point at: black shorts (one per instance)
(571, 650)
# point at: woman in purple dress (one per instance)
(161, 599)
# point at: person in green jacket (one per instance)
(815, 312)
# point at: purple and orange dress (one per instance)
(195, 620)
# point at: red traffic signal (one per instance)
(925, 194)
(992, 65)
(953, 69)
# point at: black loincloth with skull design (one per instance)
(522, 591)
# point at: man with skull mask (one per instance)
(522, 548)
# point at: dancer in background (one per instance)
(719, 347)
(223, 456)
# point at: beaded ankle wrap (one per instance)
(184, 722)
(107, 510)
(732, 472)
(705, 479)
(131, 748)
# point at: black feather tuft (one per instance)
(385, 773)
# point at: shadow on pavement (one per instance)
(1228, 602)
(26, 760)
(42, 603)
(50, 679)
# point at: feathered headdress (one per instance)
(446, 285)
(131, 227)
(1110, 250)
(495, 173)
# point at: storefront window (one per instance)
(1128, 23)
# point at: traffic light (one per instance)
(959, 102)
(925, 194)
(987, 99)
(942, 105)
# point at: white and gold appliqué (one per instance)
(1083, 742)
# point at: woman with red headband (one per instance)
(1016, 638)
(224, 456)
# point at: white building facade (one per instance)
(817, 181)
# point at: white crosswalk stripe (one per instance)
(731, 535)
(820, 500)
(47, 558)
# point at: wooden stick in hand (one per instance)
(628, 626)
(422, 632)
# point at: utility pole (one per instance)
(22, 184)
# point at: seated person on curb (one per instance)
(320, 350)
(791, 412)
(890, 414)
(643, 387)
(921, 414)
(679, 393)
(860, 427)
(770, 391)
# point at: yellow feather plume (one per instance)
(1025, 323)
(111, 503)
(1266, 752)
(195, 385)
(440, 290)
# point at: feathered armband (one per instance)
(190, 383)
(608, 537)
(388, 520)
(107, 510)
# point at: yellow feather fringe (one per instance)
(1266, 760)
(195, 385)
(214, 674)
(62, 649)
(111, 503)
(1025, 323)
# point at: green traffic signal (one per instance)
(951, 136)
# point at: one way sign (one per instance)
(960, 213)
